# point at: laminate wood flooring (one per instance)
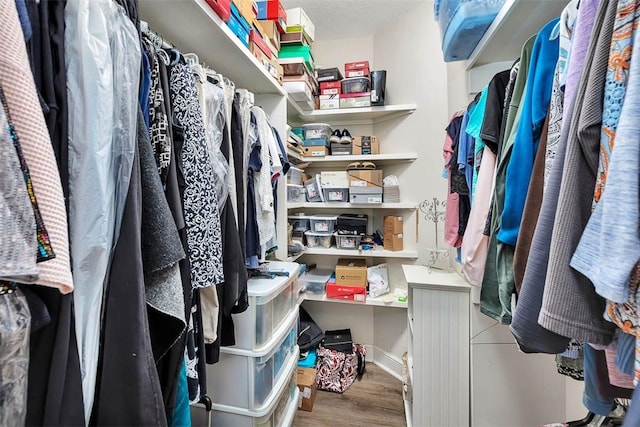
(376, 400)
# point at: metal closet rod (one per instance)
(157, 38)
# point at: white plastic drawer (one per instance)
(270, 302)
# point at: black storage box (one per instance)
(339, 340)
(352, 224)
(329, 74)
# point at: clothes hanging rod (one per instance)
(156, 37)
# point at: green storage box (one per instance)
(303, 52)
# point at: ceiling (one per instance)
(342, 19)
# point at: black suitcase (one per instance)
(339, 340)
(352, 224)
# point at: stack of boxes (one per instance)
(365, 186)
(330, 88)
(360, 87)
(296, 58)
(262, 38)
(350, 280)
(393, 226)
(356, 91)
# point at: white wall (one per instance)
(409, 49)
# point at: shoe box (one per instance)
(366, 145)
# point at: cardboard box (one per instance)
(329, 102)
(366, 145)
(246, 8)
(357, 73)
(272, 10)
(393, 225)
(239, 26)
(334, 179)
(270, 31)
(358, 65)
(356, 69)
(351, 272)
(297, 16)
(298, 90)
(355, 100)
(365, 195)
(316, 151)
(270, 64)
(255, 38)
(330, 88)
(365, 178)
(222, 8)
(393, 233)
(349, 293)
(393, 242)
(299, 38)
(306, 380)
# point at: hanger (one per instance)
(192, 59)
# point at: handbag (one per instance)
(338, 370)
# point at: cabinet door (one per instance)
(441, 358)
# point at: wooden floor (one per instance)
(374, 401)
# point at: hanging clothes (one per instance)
(619, 214)
(570, 305)
(22, 101)
(14, 355)
(46, 49)
(200, 202)
(525, 146)
(17, 218)
(530, 336)
(497, 282)
(103, 68)
(126, 354)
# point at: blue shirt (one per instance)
(544, 58)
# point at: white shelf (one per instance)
(295, 157)
(378, 159)
(516, 22)
(294, 258)
(382, 301)
(193, 26)
(374, 253)
(317, 205)
(364, 115)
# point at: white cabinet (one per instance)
(439, 348)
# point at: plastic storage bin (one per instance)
(336, 194)
(348, 242)
(295, 193)
(294, 176)
(315, 240)
(463, 23)
(278, 410)
(323, 224)
(316, 280)
(300, 223)
(270, 301)
(254, 375)
(312, 187)
(317, 130)
(355, 85)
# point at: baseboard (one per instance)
(386, 361)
